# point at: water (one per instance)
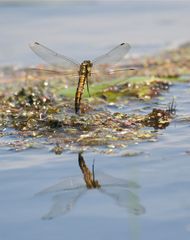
(159, 207)
(89, 30)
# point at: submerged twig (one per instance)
(172, 107)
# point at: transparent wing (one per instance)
(69, 183)
(108, 66)
(64, 195)
(63, 203)
(124, 198)
(113, 56)
(58, 61)
(108, 180)
(46, 71)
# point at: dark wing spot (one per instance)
(122, 44)
(36, 43)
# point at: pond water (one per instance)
(145, 196)
(43, 195)
(87, 30)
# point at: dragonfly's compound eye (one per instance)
(89, 69)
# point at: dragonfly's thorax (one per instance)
(85, 68)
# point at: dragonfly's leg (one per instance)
(87, 84)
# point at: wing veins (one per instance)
(53, 58)
(118, 53)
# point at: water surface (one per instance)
(158, 207)
(88, 30)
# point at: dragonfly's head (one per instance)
(87, 65)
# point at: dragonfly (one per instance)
(67, 192)
(67, 66)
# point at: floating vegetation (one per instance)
(35, 113)
(58, 149)
(145, 91)
(158, 119)
(38, 116)
(170, 64)
(131, 154)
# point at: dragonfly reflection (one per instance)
(62, 64)
(69, 190)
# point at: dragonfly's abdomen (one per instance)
(84, 73)
(79, 92)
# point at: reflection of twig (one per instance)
(89, 177)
